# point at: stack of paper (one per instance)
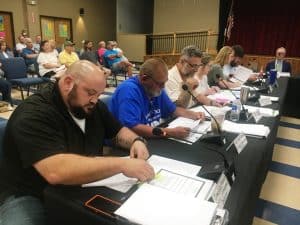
(210, 109)
(151, 205)
(251, 129)
(122, 183)
(241, 74)
(223, 96)
(197, 127)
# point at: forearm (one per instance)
(204, 100)
(71, 169)
(125, 138)
(143, 130)
(50, 65)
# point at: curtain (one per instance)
(223, 15)
(261, 26)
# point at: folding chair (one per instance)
(15, 71)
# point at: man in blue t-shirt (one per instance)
(141, 102)
(115, 61)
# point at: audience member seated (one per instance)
(37, 43)
(4, 52)
(90, 55)
(20, 45)
(216, 76)
(140, 102)
(280, 64)
(56, 137)
(115, 62)
(201, 77)
(53, 47)
(30, 56)
(183, 73)
(47, 60)
(67, 57)
(101, 51)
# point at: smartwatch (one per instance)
(139, 138)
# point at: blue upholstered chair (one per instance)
(15, 71)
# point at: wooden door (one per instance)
(56, 28)
(7, 28)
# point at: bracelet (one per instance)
(157, 131)
(139, 138)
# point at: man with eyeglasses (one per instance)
(280, 64)
(183, 73)
(141, 102)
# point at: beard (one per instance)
(233, 63)
(153, 94)
(75, 109)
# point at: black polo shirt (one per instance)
(41, 126)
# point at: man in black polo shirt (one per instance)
(56, 137)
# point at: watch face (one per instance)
(157, 131)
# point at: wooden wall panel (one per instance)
(254, 62)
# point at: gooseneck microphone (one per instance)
(244, 115)
(218, 138)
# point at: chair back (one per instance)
(14, 68)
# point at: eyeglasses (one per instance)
(193, 66)
(159, 84)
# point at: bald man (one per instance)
(56, 137)
(280, 64)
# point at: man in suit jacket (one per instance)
(279, 63)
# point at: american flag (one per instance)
(229, 26)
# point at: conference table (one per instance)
(65, 204)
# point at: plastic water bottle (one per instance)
(235, 110)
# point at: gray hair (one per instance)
(191, 51)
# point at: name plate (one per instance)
(240, 143)
(257, 116)
(265, 101)
(221, 191)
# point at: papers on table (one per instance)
(210, 109)
(197, 127)
(247, 129)
(151, 205)
(120, 182)
(266, 112)
(223, 96)
(272, 98)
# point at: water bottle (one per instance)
(235, 111)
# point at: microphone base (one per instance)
(214, 138)
(244, 115)
(212, 171)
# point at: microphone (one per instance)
(244, 115)
(212, 171)
(218, 138)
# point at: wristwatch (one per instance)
(139, 138)
(157, 131)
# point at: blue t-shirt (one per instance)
(110, 61)
(25, 52)
(131, 105)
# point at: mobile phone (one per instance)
(103, 205)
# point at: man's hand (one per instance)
(178, 132)
(139, 150)
(197, 115)
(192, 83)
(138, 168)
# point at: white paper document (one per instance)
(240, 74)
(266, 112)
(247, 129)
(210, 109)
(120, 182)
(151, 205)
(223, 96)
(272, 98)
(197, 128)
